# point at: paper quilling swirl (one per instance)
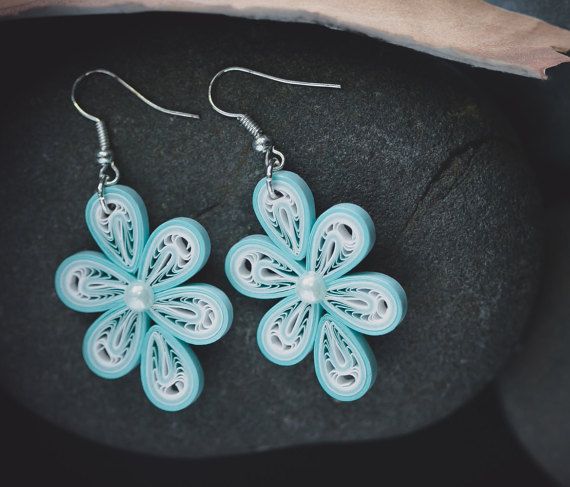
(305, 262)
(149, 318)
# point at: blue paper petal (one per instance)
(287, 219)
(341, 237)
(89, 282)
(122, 234)
(344, 364)
(171, 374)
(197, 314)
(286, 333)
(257, 268)
(175, 251)
(112, 345)
(368, 302)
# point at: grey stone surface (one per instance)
(455, 207)
(535, 388)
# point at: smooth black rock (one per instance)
(408, 138)
(535, 388)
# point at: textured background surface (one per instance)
(535, 388)
(454, 205)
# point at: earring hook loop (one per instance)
(109, 172)
(274, 159)
(261, 75)
(126, 85)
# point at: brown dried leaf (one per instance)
(469, 31)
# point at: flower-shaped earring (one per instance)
(149, 317)
(305, 263)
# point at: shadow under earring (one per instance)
(149, 317)
(304, 261)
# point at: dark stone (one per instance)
(408, 138)
(535, 387)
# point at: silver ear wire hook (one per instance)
(109, 173)
(274, 159)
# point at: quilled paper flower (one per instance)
(322, 309)
(149, 317)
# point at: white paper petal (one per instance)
(90, 282)
(286, 333)
(112, 345)
(121, 234)
(344, 363)
(171, 375)
(197, 314)
(369, 302)
(289, 217)
(258, 269)
(341, 237)
(175, 251)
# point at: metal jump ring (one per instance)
(274, 161)
(269, 180)
(101, 195)
(104, 172)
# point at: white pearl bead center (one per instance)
(311, 288)
(139, 296)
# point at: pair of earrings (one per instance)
(151, 317)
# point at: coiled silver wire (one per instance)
(108, 172)
(250, 125)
